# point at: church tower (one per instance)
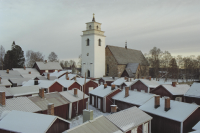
(93, 50)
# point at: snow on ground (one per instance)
(75, 122)
(169, 81)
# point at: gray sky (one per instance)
(56, 25)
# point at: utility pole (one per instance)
(84, 90)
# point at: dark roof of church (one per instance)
(133, 67)
(125, 56)
(130, 73)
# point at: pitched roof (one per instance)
(135, 97)
(58, 74)
(194, 91)
(129, 72)
(81, 81)
(125, 56)
(26, 122)
(69, 95)
(53, 97)
(11, 74)
(149, 83)
(133, 67)
(179, 110)
(41, 83)
(109, 78)
(178, 90)
(5, 82)
(19, 81)
(20, 104)
(119, 81)
(2, 88)
(71, 76)
(102, 92)
(98, 125)
(25, 72)
(65, 83)
(49, 65)
(129, 118)
(198, 131)
(197, 126)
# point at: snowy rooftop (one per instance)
(128, 84)
(2, 88)
(71, 76)
(5, 82)
(65, 83)
(179, 110)
(21, 104)
(11, 74)
(49, 65)
(19, 81)
(58, 74)
(197, 126)
(81, 81)
(178, 90)
(135, 97)
(26, 122)
(101, 91)
(41, 83)
(129, 118)
(25, 72)
(194, 90)
(198, 131)
(98, 125)
(109, 78)
(69, 95)
(119, 81)
(149, 83)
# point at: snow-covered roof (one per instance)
(109, 78)
(197, 126)
(198, 131)
(149, 83)
(178, 90)
(23, 90)
(81, 81)
(194, 90)
(41, 83)
(129, 118)
(69, 95)
(128, 84)
(49, 65)
(53, 97)
(5, 82)
(135, 97)
(11, 74)
(65, 83)
(26, 122)
(119, 81)
(2, 88)
(101, 91)
(25, 72)
(179, 111)
(58, 74)
(19, 81)
(98, 125)
(71, 76)
(20, 104)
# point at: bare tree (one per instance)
(173, 69)
(2, 54)
(164, 63)
(53, 57)
(32, 57)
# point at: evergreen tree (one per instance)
(173, 68)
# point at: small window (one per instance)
(87, 54)
(90, 27)
(99, 42)
(88, 42)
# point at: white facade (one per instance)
(93, 50)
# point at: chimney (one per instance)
(50, 110)
(105, 85)
(24, 67)
(35, 82)
(67, 78)
(45, 61)
(157, 101)
(41, 92)
(87, 106)
(113, 108)
(167, 103)
(48, 76)
(113, 77)
(112, 86)
(66, 75)
(75, 92)
(8, 71)
(29, 72)
(142, 77)
(174, 84)
(126, 91)
(74, 78)
(124, 78)
(149, 78)
(3, 98)
(87, 115)
(126, 45)
(130, 79)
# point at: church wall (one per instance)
(112, 63)
(120, 69)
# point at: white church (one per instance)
(93, 50)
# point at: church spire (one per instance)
(93, 20)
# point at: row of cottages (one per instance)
(107, 80)
(174, 91)
(24, 91)
(193, 94)
(131, 120)
(68, 84)
(171, 116)
(101, 97)
(47, 67)
(129, 98)
(26, 122)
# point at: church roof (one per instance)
(133, 67)
(125, 56)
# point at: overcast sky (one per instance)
(56, 25)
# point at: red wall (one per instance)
(74, 85)
(80, 106)
(90, 84)
(58, 126)
(139, 86)
(56, 87)
(160, 90)
(192, 100)
(109, 100)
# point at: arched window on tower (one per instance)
(90, 27)
(99, 42)
(88, 42)
(97, 27)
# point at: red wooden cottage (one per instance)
(69, 84)
(174, 91)
(171, 116)
(193, 94)
(101, 97)
(129, 98)
(75, 97)
(107, 80)
(26, 122)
